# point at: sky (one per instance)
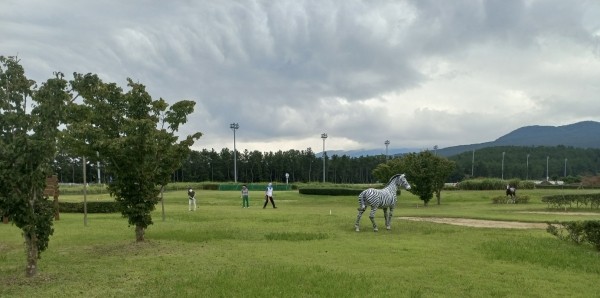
(417, 73)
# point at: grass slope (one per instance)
(306, 247)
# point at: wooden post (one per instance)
(52, 190)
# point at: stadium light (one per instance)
(234, 127)
(323, 136)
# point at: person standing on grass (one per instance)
(191, 199)
(244, 197)
(269, 196)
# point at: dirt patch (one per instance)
(479, 223)
(562, 213)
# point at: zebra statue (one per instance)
(380, 198)
(511, 192)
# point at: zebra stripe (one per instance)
(380, 198)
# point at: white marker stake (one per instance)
(329, 211)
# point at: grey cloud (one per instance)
(292, 69)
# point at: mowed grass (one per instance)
(307, 247)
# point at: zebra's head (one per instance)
(400, 180)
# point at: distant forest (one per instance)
(531, 163)
(303, 166)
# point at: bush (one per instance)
(92, 207)
(507, 200)
(577, 231)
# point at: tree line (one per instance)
(526, 163)
(304, 166)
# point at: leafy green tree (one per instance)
(27, 151)
(425, 171)
(134, 136)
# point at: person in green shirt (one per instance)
(245, 195)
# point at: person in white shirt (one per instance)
(269, 196)
(191, 199)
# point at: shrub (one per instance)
(577, 231)
(507, 200)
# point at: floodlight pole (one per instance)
(234, 127)
(98, 166)
(503, 165)
(323, 136)
(387, 143)
(84, 194)
(472, 163)
(527, 169)
(547, 177)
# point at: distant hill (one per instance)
(366, 152)
(585, 134)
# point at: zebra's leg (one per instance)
(389, 219)
(385, 216)
(361, 203)
(357, 223)
(372, 218)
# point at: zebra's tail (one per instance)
(361, 202)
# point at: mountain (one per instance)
(367, 152)
(583, 134)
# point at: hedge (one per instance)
(564, 201)
(330, 191)
(493, 184)
(92, 207)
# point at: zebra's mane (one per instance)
(393, 178)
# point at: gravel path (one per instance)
(479, 223)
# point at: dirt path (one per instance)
(494, 223)
(562, 213)
(479, 223)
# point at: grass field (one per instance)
(307, 247)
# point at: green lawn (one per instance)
(306, 247)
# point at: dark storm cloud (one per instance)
(418, 73)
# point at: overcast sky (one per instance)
(417, 73)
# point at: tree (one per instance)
(27, 151)
(426, 172)
(134, 136)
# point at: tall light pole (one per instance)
(527, 168)
(547, 177)
(503, 165)
(98, 166)
(323, 136)
(309, 150)
(387, 143)
(565, 168)
(472, 163)
(234, 127)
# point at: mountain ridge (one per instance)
(579, 135)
